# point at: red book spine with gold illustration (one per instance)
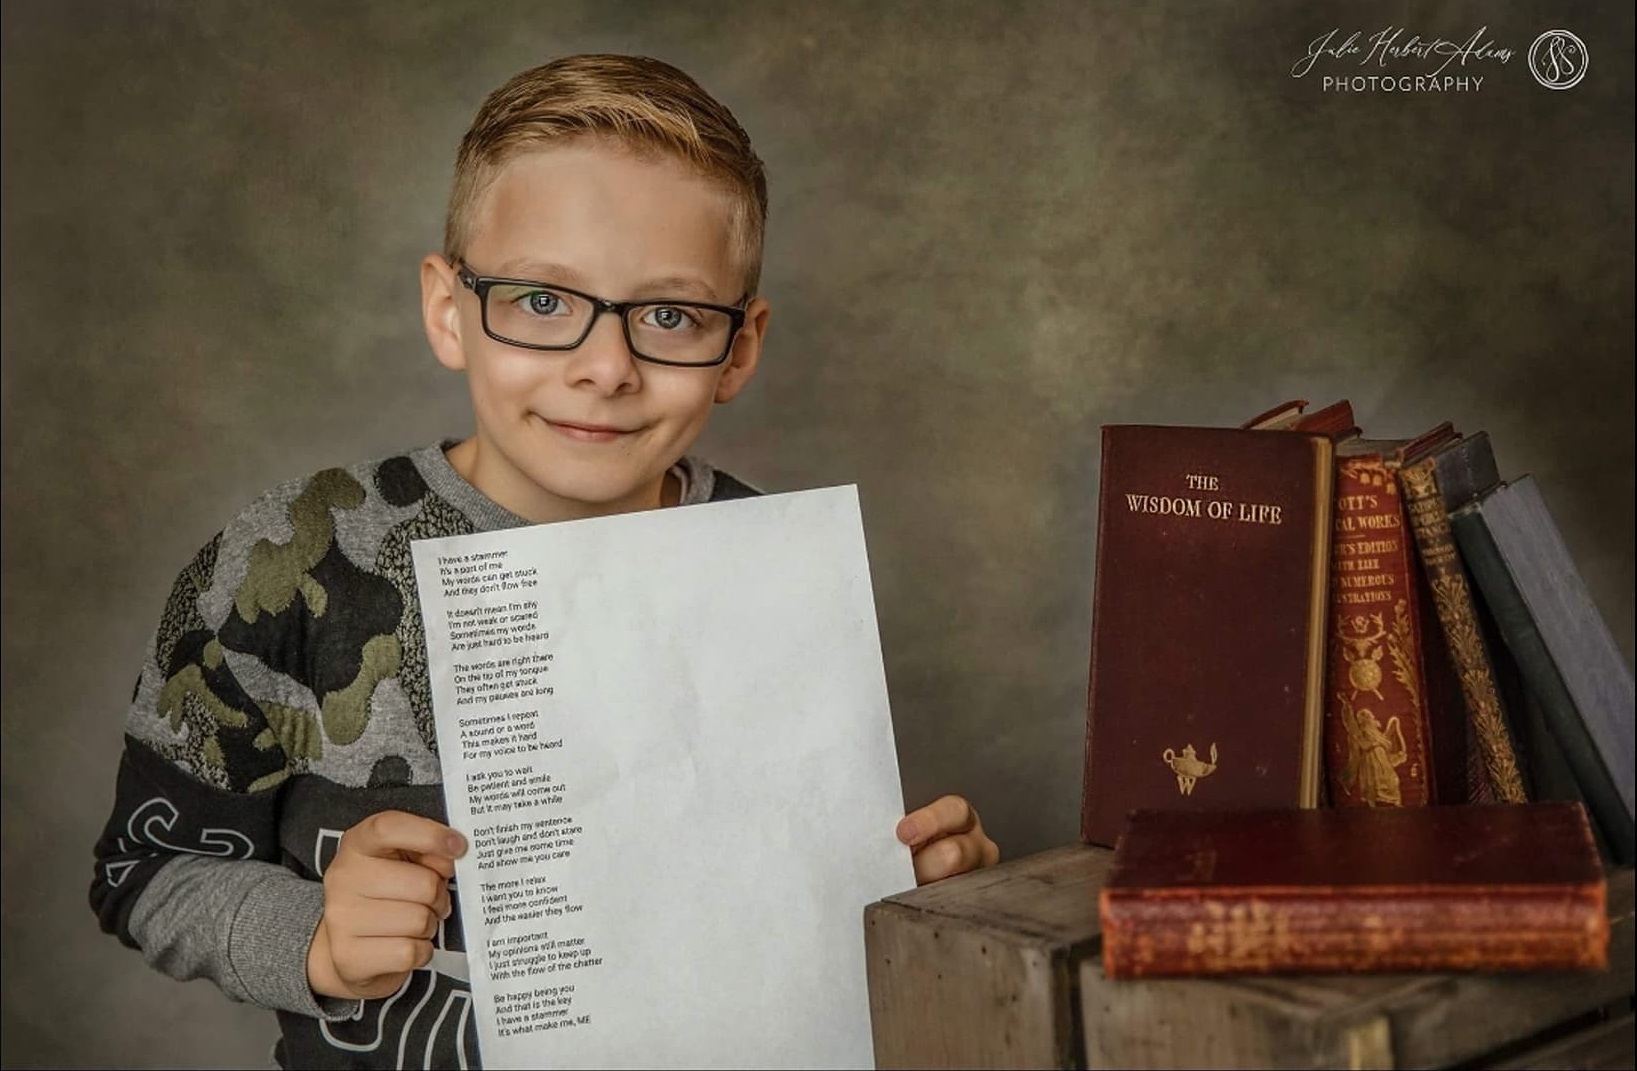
(1497, 887)
(1377, 730)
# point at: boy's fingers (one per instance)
(398, 879)
(378, 964)
(946, 858)
(940, 818)
(444, 865)
(390, 834)
(953, 855)
(397, 918)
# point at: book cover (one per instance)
(1459, 888)
(1546, 685)
(1458, 774)
(1207, 645)
(1546, 769)
(1570, 625)
(1378, 737)
(1463, 472)
(1456, 615)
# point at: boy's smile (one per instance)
(588, 433)
(590, 430)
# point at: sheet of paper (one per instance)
(666, 735)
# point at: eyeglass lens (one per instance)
(668, 331)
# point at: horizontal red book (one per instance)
(1503, 887)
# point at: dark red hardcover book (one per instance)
(1335, 420)
(1207, 648)
(1378, 722)
(1499, 887)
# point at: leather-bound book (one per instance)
(1464, 471)
(1377, 719)
(1457, 615)
(1498, 887)
(1207, 649)
(1568, 661)
(1335, 420)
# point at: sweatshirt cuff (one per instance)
(268, 943)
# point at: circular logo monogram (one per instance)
(1558, 59)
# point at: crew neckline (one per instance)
(432, 462)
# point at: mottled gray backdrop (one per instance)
(994, 228)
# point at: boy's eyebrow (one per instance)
(541, 271)
(679, 285)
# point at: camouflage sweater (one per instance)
(284, 697)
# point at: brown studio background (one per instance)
(994, 228)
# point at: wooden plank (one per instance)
(1441, 1019)
(1223, 1023)
(954, 996)
(1050, 897)
(1431, 1020)
(980, 970)
(1476, 1013)
(1608, 1046)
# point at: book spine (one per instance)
(1095, 828)
(1464, 471)
(1570, 625)
(1457, 760)
(1453, 601)
(1545, 683)
(1195, 932)
(1546, 771)
(1377, 734)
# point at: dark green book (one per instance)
(1515, 516)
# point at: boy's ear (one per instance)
(440, 311)
(746, 353)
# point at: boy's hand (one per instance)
(384, 896)
(946, 838)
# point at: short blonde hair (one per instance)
(646, 104)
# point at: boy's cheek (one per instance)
(506, 382)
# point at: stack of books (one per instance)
(1291, 615)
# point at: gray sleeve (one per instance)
(244, 924)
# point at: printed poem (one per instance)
(514, 749)
(620, 755)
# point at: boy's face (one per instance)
(592, 430)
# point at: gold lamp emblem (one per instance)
(1188, 767)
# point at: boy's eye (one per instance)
(668, 318)
(542, 303)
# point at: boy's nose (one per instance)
(604, 360)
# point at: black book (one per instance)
(1563, 649)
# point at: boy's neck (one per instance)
(470, 459)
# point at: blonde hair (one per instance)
(646, 104)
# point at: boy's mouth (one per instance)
(589, 433)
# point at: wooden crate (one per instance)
(1003, 968)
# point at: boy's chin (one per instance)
(598, 487)
(544, 483)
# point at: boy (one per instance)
(278, 823)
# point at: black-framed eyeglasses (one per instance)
(545, 316)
